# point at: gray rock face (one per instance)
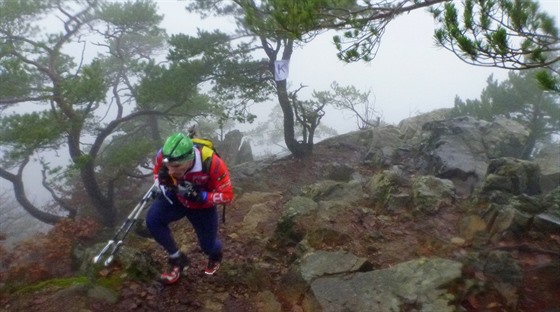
(328, 263)
(412, 127)
(418, 283)
(513, 176)
(245, 153)
(549, 162)
(460, 148)
(512, 194)
(547, 222)
(431, 193)
(456, 147)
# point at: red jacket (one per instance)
(215, 181)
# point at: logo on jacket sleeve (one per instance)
(217, 198)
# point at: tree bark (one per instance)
(298, 149)
(19, 192)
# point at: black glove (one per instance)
(164, 178)
(156, 192)
(191, 193)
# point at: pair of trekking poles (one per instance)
(115, 243)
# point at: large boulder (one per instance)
(512, 197)
(245, 153)
(459, 149)
(419, 284)
(430, 194)
(549, 220)
(411, 128)
(257, 207)
(327, 263)
(548, 159)
(513, 176)
(234, 148)
(389, 191)
(378, 145)
(504, 138)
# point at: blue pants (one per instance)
(204, 222)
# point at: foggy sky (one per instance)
(409, 75)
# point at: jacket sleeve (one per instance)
(222, 191)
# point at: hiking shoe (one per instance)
(178, 266)
(213, 264)
(212, 267)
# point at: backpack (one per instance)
(206, 147)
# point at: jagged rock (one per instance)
(327, 263)
(429, 193)
(329, 210)
(378, 145)
(245, 171)
(504, 138)
(514, 176)
(259, 206)
(412, 127)
(547, 222)
(245, 153)
(333, 190)
(501, 219)
(294, 222)
(549, 162)
(516, 214)
(229, 147)
(510, 189)
(382, 144)
(502, 269)
(551, 202)
(528, 204)
(397, 203)
(339, 172)
(387, 190)
(298, 206)
(323, 190)
(457, 149)
(418, 284)
(316, 222)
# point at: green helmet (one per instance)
(177, 148)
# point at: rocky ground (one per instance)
(255, 277)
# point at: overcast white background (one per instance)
(409, 75)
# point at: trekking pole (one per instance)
(115, 243)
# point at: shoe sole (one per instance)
(171, 282)
(212, 272)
